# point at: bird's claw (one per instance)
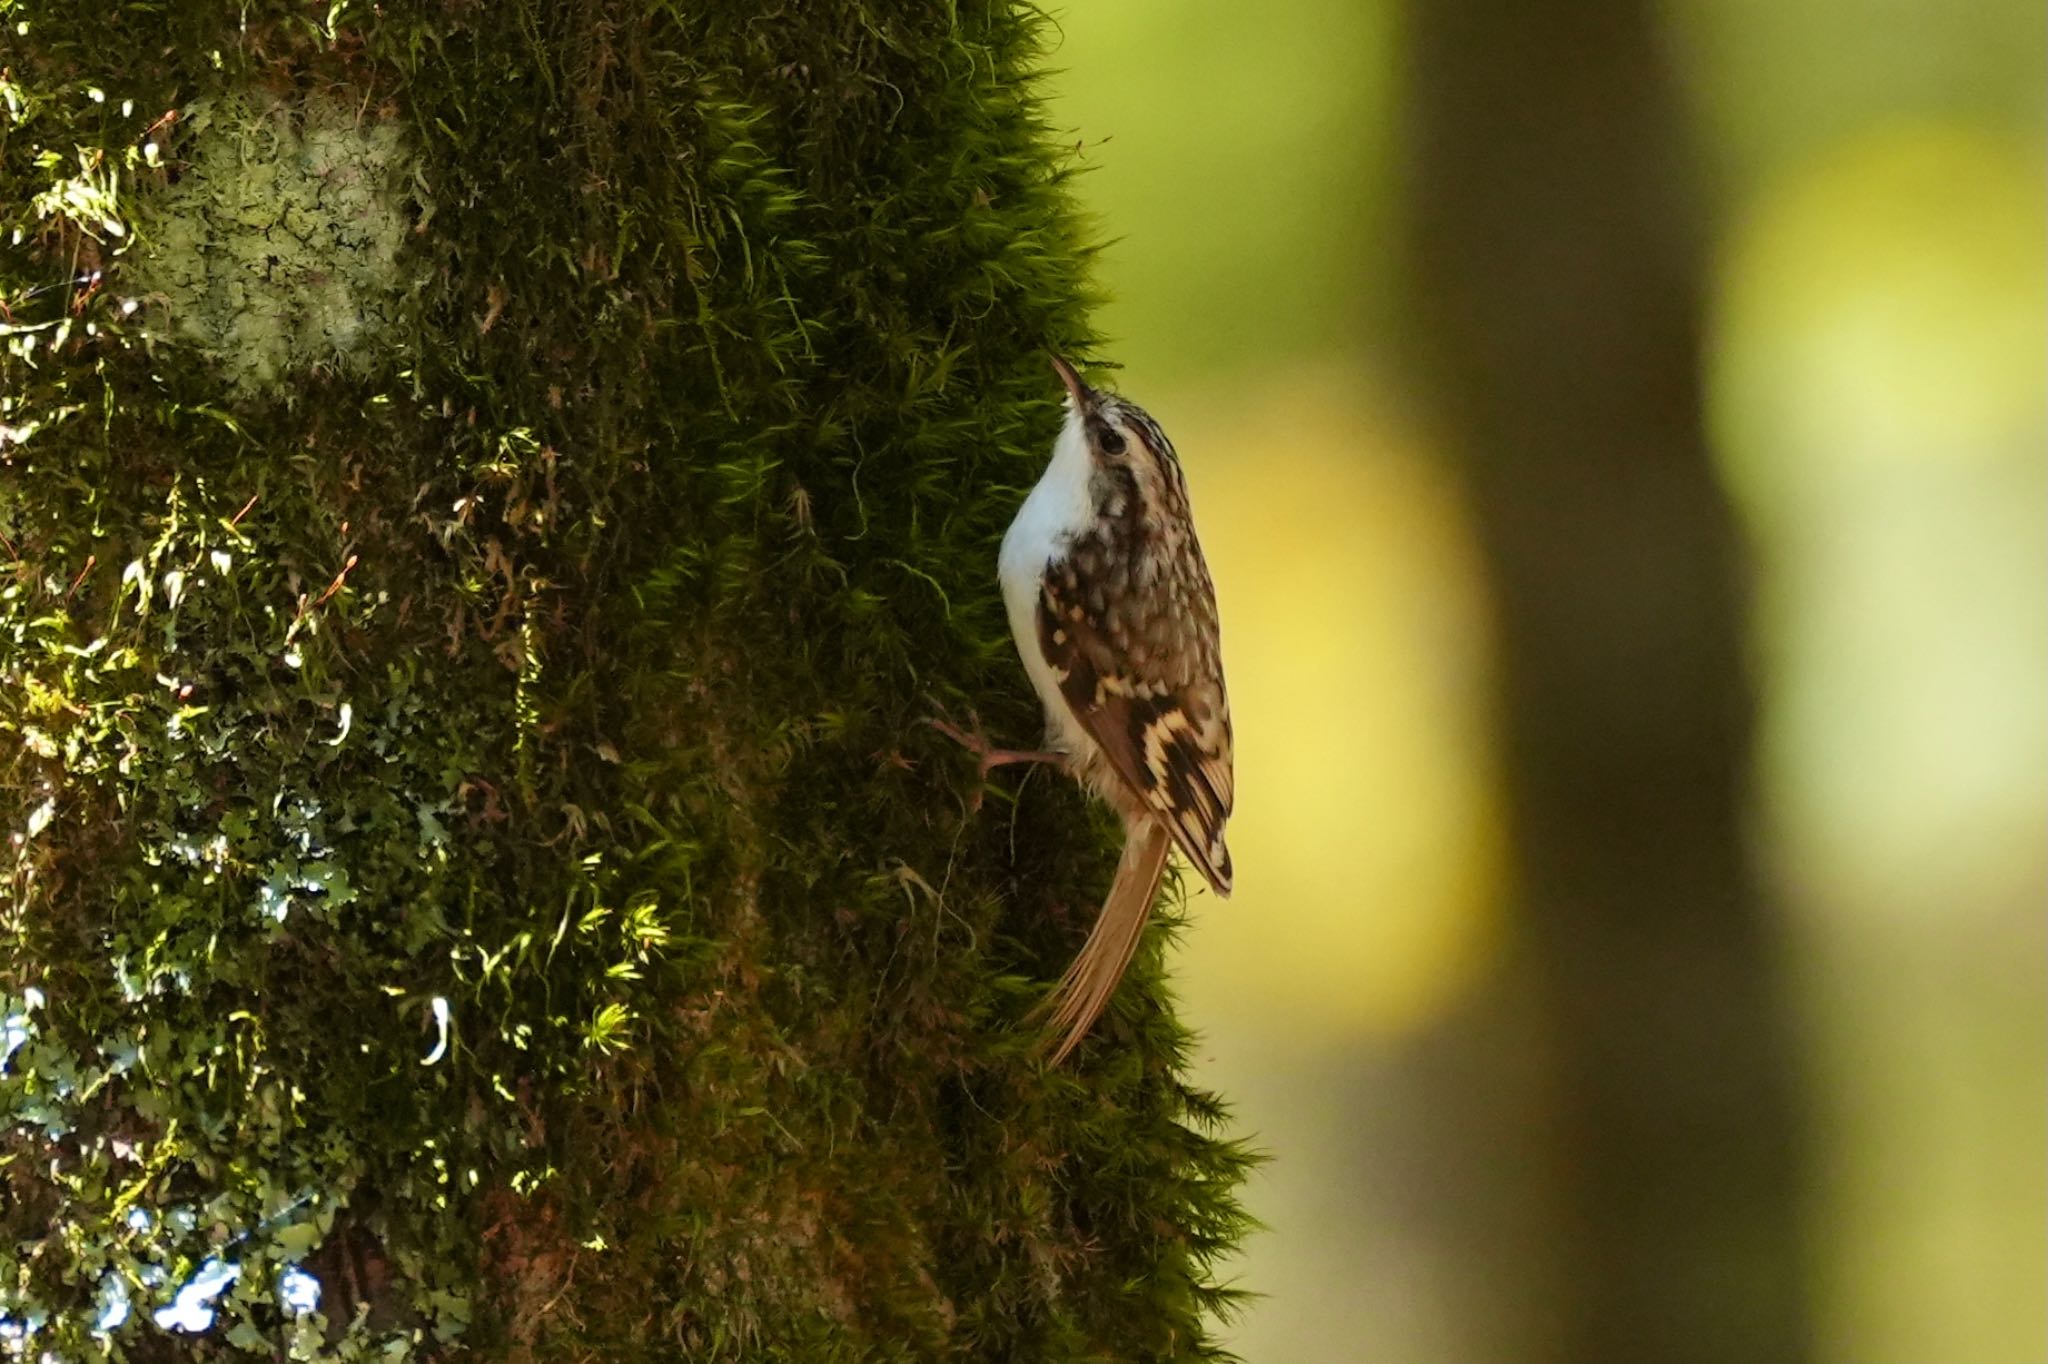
(988, 756)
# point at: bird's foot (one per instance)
(990, 757)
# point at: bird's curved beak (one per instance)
(1079, 394)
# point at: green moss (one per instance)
(477, 843)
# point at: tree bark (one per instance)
(1557, 277)
(488, 493)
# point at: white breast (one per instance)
(1058, 508)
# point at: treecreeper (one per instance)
(1113, 612)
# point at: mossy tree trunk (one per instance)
(1559, 278)
(488, 492)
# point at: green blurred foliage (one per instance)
(1779, 84)
(1881, 394)
(1241, 162)
(1875, 373)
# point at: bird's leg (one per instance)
(992, 757)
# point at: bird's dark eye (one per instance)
(1111, 440)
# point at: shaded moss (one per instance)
(476, 842)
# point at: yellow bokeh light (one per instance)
(1366, 839)
(1884, 304)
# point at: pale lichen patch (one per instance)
(276, 249)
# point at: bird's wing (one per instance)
(1142, 675)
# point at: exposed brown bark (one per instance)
(1558, 277)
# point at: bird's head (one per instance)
(1118, 433)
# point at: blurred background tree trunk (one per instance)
(488, 493)
(1557, 277)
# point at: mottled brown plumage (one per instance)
(1138, 667)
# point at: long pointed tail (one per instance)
(1084, 991)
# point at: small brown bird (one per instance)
(1112, 609)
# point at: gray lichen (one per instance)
(276, 248)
